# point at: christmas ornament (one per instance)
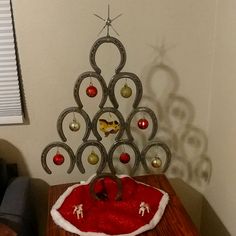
(93, 158)
(91, 91)
(139, 207)
(74, 125)
(143, 123)
(156, 162)
(109, 127)
(126, 91)
(58, 159)
(124, 157)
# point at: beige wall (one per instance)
(221, 192)
(54, 39)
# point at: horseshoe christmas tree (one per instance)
(115, 124)
(108, 121)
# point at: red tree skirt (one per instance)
(140, 209)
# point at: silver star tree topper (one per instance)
(108, 22)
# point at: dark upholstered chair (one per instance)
(15, 208)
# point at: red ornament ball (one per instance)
(143, 123)
(124, 157)
(91, 91)
(58, 159)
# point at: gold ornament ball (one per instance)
(93, 158)
(74, 126)
(156, 162)
(126, 91)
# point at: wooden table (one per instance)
(175, 221)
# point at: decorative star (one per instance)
(161, 51)
(108, 22)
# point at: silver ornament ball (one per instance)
(74, 126)
(156, 162)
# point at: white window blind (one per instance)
(10, 97)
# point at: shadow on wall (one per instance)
(39, 188)
(39, 198)
(187, 142)
(211, 223)
(202, 214)
(12, 154)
